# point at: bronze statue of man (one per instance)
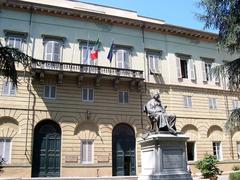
(157, 114)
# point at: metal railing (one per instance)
(86, 69)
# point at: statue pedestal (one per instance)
(164, 157)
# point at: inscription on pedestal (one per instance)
(172, 158)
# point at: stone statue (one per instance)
(158, 115)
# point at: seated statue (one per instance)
(157, 114)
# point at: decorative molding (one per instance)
(123, 46)
(47, 37)
(140, 86)
(98, 81)
(132, 84)
(85, 41)
(41, 77)
(60, 78)
(80, 80)
(14, 33)
(110, 19)
(183, 56)
(116, 82)
(155, 51)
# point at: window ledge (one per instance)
(46, 36)
(87, 102)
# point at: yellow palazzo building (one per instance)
(73, 116)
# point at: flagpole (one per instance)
(100, 41)
(110, 55)
(110, 62)
(87, 53)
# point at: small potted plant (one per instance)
(208, 167)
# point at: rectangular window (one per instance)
(87, 151)
(50, 92)
(212, 102)
(123, 58)
(208, 66)
(86, 59)
(187, 101)
(217, 150)
(5, 149)
(191, 151)
(88, 94)
(52, 50)
(8, 89)
(238, 150)
(154, 60)
(184, 68)
(15, 42)
(123, 97)
(235, 104)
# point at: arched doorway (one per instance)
(46, 149)
(123, 150)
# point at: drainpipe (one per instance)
(144, 69)
(28, 82)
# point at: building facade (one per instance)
(74, 116)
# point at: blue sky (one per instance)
(176, 12)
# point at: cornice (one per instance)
(180, 87)
(108, 19)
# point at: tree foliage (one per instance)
(230, 71)
(8, 58)
(224, 15)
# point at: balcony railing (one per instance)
(86, 69)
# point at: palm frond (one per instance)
(218, 71)
(233, 122)
(230, 71)
(8, 57)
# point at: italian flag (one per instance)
(94, 52)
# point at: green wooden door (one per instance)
(123, 149)
(46, 150)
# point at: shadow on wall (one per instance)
(158, 78)
(215, 131)
(87, 130)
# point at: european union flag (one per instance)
(110, 53)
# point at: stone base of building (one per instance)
(15, 172)
(166, 177)
(164, 157)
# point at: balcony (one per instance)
(41, 67)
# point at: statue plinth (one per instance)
(164, 157)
